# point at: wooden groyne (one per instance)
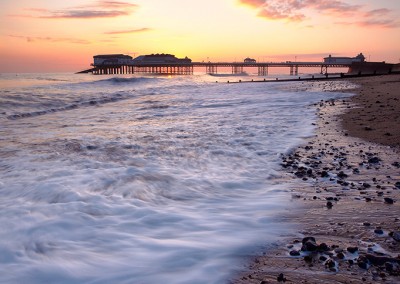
(327, 77)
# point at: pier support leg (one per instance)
(263, 71)
(211, 69)
(294, 70)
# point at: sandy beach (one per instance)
(348, 204)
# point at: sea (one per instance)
(145, 178)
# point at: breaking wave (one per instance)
(92, 102)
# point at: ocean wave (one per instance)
(125, 80)
(87, 103)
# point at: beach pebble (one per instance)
(329, 204)
(395, 235)
(362, 262)
(294, 253)
(323, 247)
(388, 200)
(324, 174)
(309, 244)
(330, 263)
(378, 231)
(380, 260)
(340, 255)
(323, 258)
(281, 278)
(352, 249)
(374, 160)
(308, 258)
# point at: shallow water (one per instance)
(142, 179)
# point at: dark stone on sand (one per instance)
(397, 184)
(329, 204)
(281, 278)
(352, 249)
(323, 247)
(294, 253)
(378, 231)
(330, 263)
(340, 255)
(367, 224)
(389, 267)
(366, 185)
(395, 235)
(324, 174)
(396, 164)
(380, 260)
(374, 160)
(309, 245)
(306, 239)
(367, 128)
(264, 282)
(91, 147)
(368, 199)
(342, 175)
(323, 258)
(388, 200)
(308, 258)
(362, 262)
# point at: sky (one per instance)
(63, 36)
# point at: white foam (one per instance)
(173, 184)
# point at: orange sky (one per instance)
(56, 36)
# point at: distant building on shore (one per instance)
(249, 60)
(111, 59)
(344, 60)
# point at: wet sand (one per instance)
(348, 199)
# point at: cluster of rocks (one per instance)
(333, 256)
(315, 163)
(338, 172)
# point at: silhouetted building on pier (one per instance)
(344, 60)
(161, 59)
(111, 59)
(249, 60)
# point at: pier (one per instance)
(168, 64)
(209, 67)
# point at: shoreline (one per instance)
(348, 197)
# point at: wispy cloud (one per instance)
(99, 9)
(134, 31)
(51, 39)
(299, 10)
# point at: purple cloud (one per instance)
(134, 31)
(51, 39)
(297, 10)
(100, 9)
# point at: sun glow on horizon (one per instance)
(51, 36)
